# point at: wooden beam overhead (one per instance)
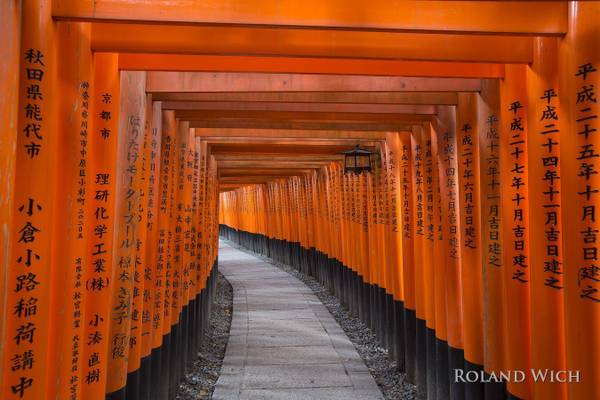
(275, 158)
(438, 98)
(267, 151)
(299, 107)
(233, 172)
(318, 43)
(306, 65)
(186, 82)
(288, 133)
(267, 164)
(307, 125)
(267, 143)
(222, 115)
(387, 15)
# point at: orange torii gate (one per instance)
(471, 251)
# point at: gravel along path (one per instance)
(199, 381)
(391, 382)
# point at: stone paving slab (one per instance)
(284, 344)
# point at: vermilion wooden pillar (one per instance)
(545, 218)
(419, 232)
(515, 217)
(10, 18)
(27, 278)
(494, 323)
(70, 220)
(128, 175)
(151, 290)
(449, 187)
(103, 139)
(579, 80)
(467, 128)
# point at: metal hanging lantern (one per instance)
(357, 160)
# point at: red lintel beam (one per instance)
(300, 107)
(306, 65)
(219, 115)
(219, 40)
(518, 17)
(289, 134)
(439, 98)
(256, 82)
(301, 125)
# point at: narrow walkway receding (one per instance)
(284, 344)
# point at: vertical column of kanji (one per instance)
(28, 275)
(394, 155)
(384, 246)
(70, 222)
(407, 251)
(177, 266)
(151, 271)
(191, 241)
(202, 150)
(580, 157)
(449, 175)
(419, 232)
(543, 145)
(10, 18)
(429, 167)
(214, 242)
(170, 126)
(364, 246)
(372, 248)
(128, 172)
(467, 125)
(165, 131)
(194, 262)
(102, 141)
(349, 238)
(378, 272)
(361, 249)
(491, 239)
(440, 259)
(134, 363)
(336, 173)
(366, 270)
(515, 198)
(382, 262)
(390, 254)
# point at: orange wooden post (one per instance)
(394, 159)
(102, 140)
(150, 314)
(545, 221)
(408, 246)
(440, 259)
(387, 251)
(170, 126)
(515, 214)
(10, 18)
(28, 277)
(494, 322)
(127, 197)
(468, 125)
(139, 299)
(449, 187)
(160, 320)
(70, 220)
(579, 81)
(419, 256)
(429, 166)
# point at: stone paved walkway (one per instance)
(284, 344)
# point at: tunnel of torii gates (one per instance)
(131, 133)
